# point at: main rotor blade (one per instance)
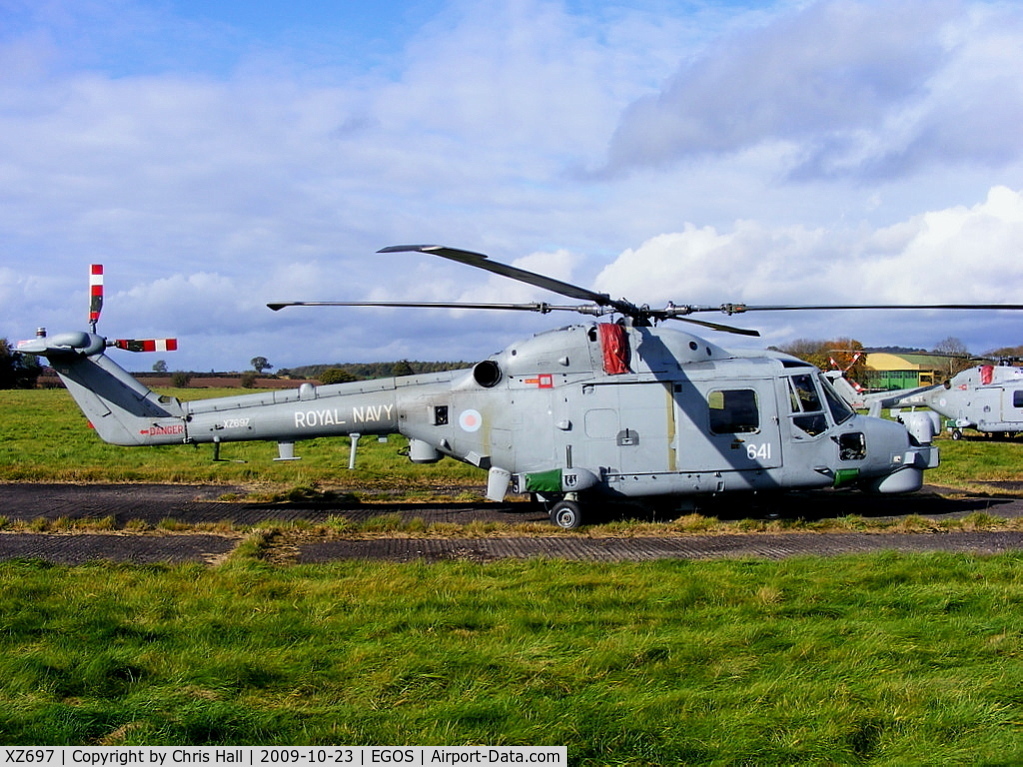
(741, 308)
(481, 261)
(717, 326)
(542, 308)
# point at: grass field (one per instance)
(885, 659)
(881, 659)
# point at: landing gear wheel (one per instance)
(566, 515)
(956, 434)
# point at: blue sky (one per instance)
(217, 156)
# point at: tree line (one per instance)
(361, 371)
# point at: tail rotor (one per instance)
(128, 344)
(90, 343)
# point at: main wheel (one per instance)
(566, 515)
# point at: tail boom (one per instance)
(123, 411)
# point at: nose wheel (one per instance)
(566, 515)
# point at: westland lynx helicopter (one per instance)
(986, 397)
(606, 410)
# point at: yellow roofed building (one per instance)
(886, 371)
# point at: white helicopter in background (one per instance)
(987, 398)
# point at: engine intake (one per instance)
(487, 373)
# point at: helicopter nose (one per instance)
(900, 459)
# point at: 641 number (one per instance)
(757, 452)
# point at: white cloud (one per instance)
(701, 265)
(962, 254)
(866, 89)
(957, 255)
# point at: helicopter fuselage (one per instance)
(988, 398)
(604, 408)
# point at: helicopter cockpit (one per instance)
(809, 397)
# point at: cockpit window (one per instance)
(808, 412)
(805, 394)
(840, 410)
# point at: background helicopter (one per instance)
(618, 409)
(987, 397)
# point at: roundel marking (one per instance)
(470, 420)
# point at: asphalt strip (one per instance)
(79, 549)
(121, 504)
(76, 549)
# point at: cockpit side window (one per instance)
(806, 393)
(839, 408)
(807, 410)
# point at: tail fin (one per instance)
(122, 410)
(851, 392)
(854, 395)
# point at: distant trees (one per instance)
(951, 346)
(958, 356)
(335, 376)
(17, 370)
(259, 364)
(839, 353)
(814, 351)
(160, 366)
(1006, 352)
(362, 371)
(402, 368)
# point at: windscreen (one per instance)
(840, 410)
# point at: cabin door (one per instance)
(726, 425)
(626, 428)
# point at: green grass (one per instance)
(967, 462)
(887, 659)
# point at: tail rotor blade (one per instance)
(147, 344)
(95, 294)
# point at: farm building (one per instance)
(886, 371)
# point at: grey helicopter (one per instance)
(576, 416)
(986, 397)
